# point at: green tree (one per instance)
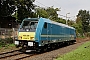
(61, 20)
(78, 26)
(84, 16)
(25, 8)
(70, 22)
(52, 12)
(49, 12)
(41, 12)
(7, 8)
(21, 8)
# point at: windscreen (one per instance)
(31, 25)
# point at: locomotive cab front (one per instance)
(26, 33)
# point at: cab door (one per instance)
(49, 31)
(46, 33)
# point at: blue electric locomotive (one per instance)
(36, 33)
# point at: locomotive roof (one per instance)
(60, 24)
(63, 25)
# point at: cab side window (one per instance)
(45, 25)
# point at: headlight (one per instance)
(16, 42)
(32, 38)
(30, 43)
(20, 37)
(27, 29)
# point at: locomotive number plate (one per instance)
(26, 37)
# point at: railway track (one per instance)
(18, 55)
(15, 55)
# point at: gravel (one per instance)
(52, 55)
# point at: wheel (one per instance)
(53, 46)
(23, 49)
(45, 49)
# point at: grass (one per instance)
(0, 46)
(8, 45)
(81, 53)
(11, 45)
(6, 42)
(81, 37)
(7, 48)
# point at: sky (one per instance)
(66, 6)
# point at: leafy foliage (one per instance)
(21, 8)
(84, 16)
(61, 20)
(88, 34)
(78, 28)
(50, 13)
(25, 8)
(41, 12)
(6, 41)
(7, 7)
(70, 22)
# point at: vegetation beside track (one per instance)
(81, 53)
(7, 45)
(6, 42)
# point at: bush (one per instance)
(2, 42)
(88, 34)
(9, 40)
(6, 41)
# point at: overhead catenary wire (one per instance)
(48, 6)
(56, 2)
(41, 4)
(44, 5)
